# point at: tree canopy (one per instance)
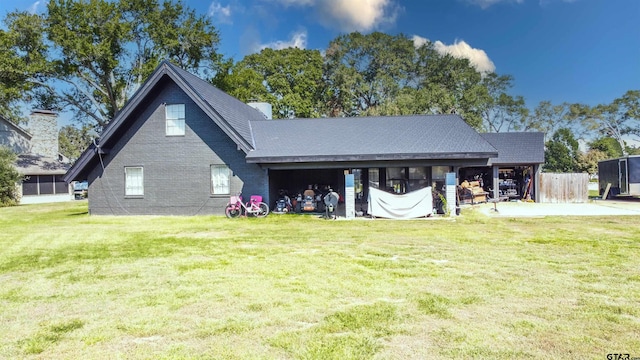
(371, 74)
(502, 111)
(90, 56)
(290, 79)
(617, 120)
(73, 140)
(365, 73)
(23, 63)
(562, 152)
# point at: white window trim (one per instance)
(175, 119)
(133, 189)
(223, 186)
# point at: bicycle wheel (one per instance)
(264, 210)
(232, 211)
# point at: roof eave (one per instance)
(138, 97)
(515, 163)
(136, 100)
(18, 129)
(369, 157)
(78, 167)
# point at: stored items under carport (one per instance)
(471, 193)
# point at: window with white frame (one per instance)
(174, 114)
(133, 181)
(220, 179)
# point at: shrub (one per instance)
(9, 177)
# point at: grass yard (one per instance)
(296, 287)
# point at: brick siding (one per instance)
(177, 176)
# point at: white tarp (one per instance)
(411, 205)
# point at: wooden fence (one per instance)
(563, 188)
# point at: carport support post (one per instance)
(537, 170)
(451, 189)
(496, 182)
(349, 196)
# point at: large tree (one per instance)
(610, 147)
(619, 119)
(549, 118)
(452, 85)
(502, 111)
(380, 74)
(588, 161)
(23, 63)
(73, 140)
(97, 52)
(365, 73)
(599, 149)
(290, 79)
(562, 152)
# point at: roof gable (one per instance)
(229, 113)
(225, 107)
(10, 125)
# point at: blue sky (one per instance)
(585, 51)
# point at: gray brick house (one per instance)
(180, 146)
(38, 158)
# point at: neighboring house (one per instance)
(14, 137)
(180, 146)
(38, 158)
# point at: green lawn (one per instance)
(74, 286)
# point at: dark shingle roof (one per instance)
(236, 113)
(367, 138)
(327, 139)
(517, 147)
(229, 113)
(28, 164)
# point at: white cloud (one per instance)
(34, 7)
(419, 41)
(351, 15)
(547, 2)
(298, 40)
(460, 49)
(486, 3)
(296, 2)
(357, 15)
(220, 13)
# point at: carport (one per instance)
(394, 154)
(515, 172)
(295, 181)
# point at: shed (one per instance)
(621, 175)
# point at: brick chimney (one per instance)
(43, 126)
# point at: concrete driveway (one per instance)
(592, 208)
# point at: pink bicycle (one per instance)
(254, 207)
